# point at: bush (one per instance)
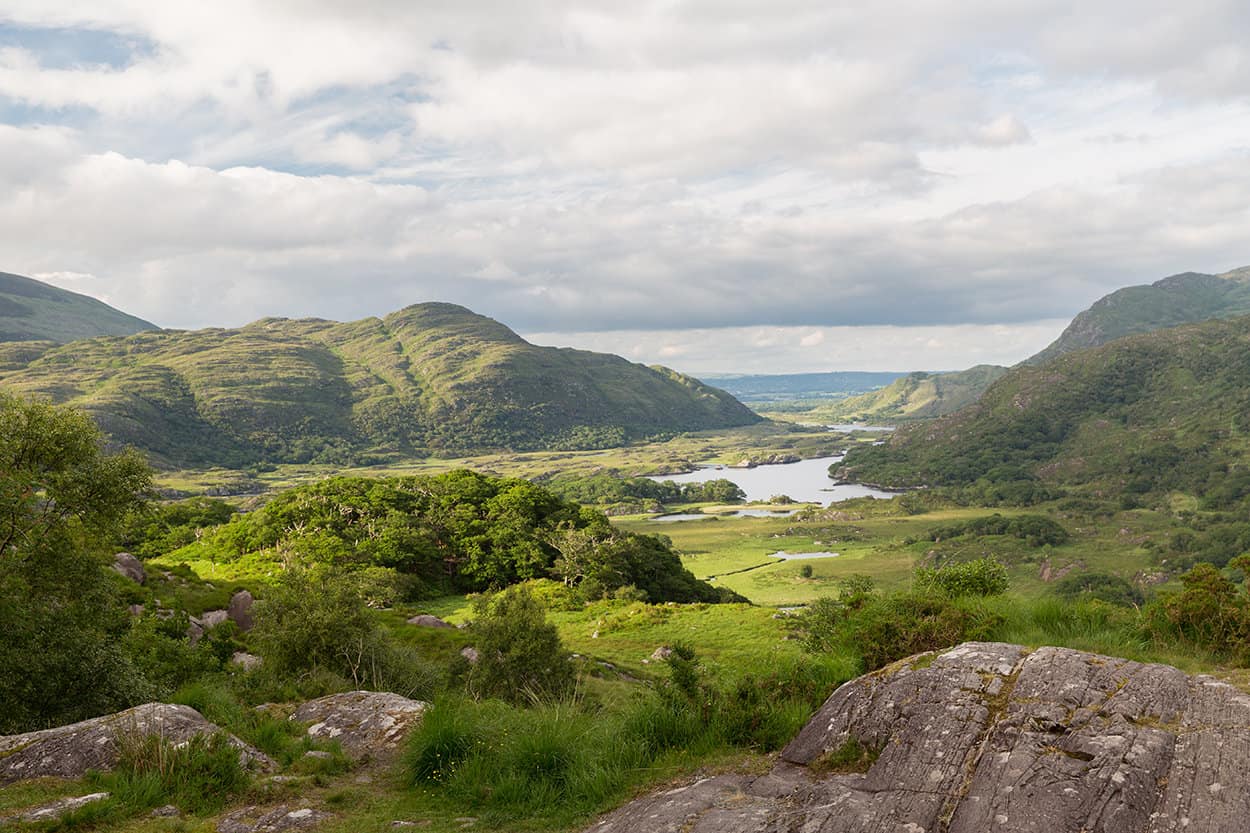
(520, 655)
(311, 623)
(982, 577)
(1101, 586)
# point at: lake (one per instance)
(807, 481)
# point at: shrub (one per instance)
(199, 776)
(520, 655)
(982, 577)
(1101, 586)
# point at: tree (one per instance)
(520, 655)
(62, 501)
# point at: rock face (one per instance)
(368, 724)
(130, 567)
(54, 809)
(988, 736)
(69, 751)
(271, 820)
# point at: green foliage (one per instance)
(1035, 530)
(199, 776)
(981, 577)
(316, 622)
(161, 651)
(915, 396)
(156, 530)
(607, 489)
(60, 497)
(1211, 612)
(520, 655)
(455, 532)
(429, 378)
(1104, 587)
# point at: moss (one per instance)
(851, 757)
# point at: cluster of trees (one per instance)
(1034, 530)
(456, 532)
(607, 490)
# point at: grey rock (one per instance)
(53, 810)
(210, 619)
(367, 724)
(246, 661)
(988, 736)
(470, 653)
(425, 620)
(134, 610)
(318, 754)
(130, 567)
(166, 812)
(69, 751)
(275, 820)
(240, 610)
(661, 653)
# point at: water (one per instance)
(848, 427)
(806, 481)
(798, 556)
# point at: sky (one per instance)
(719, 186)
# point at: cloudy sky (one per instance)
(718, 185)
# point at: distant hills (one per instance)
(431, 378)
(31, 310)
(1170, 302)
(915, 396)
(1160, 411)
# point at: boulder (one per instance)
(240, 610)
(69, 751)
(246, 661)
(130, 567)
(368, 724)
(53, 810)
(988, 736)
(470, 653)
(270, 820)
(210, 619)
(425, 620)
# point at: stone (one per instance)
(989, 736)
(367, 724)
(70, 751)
(210, 619)
(469, 653)
(168, 811)
(53, 810)
(661, 653)
(130, 567)
(425, 620)
(240, 610)
(246, 661)
(276, 820)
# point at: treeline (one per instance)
(607, 490)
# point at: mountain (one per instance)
(429, 378)
(916, 396)
(34, 311)
(1160, 411)
(1179, 299)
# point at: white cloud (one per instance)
(576, 166)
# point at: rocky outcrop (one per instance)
(425, 620)
(70, 751)
(367, 724)
(130, 567)
(53, 810)
(271, 820)
(988, 736)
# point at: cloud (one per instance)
(745, 168)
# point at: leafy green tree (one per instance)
(520, 654)
(62, 500)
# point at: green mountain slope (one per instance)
(34, 311)
(915, 396)
(429, 378)
(1179, 299)
(1158, 411)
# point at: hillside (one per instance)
(915, 396)
(429, 378)
(1168, 410)
(34, 311)
(1180, 299)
